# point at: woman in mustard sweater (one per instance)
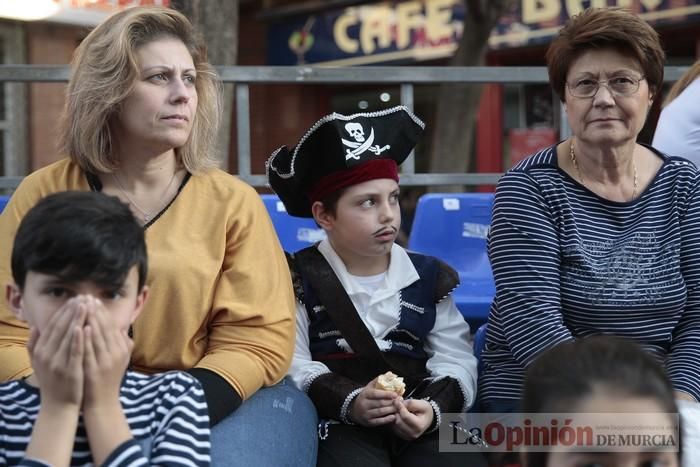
(142, 111)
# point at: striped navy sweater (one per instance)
(569, 264)
(167, 415)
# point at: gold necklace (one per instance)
(580, 176)
(147, 216)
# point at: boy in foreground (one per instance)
(367, 306)
(79, 267)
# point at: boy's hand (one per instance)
(57, 355)
(107, 353)
(373, 407)
(413, 417)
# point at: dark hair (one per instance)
(330, 202)
(564, 375)
(601, 28)
(78, 236)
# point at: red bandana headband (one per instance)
(370, 170)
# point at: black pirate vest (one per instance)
(417, 310)
(404, 354)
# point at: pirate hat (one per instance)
(339, 151)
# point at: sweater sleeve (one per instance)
(683, 362)
(251, 330)
(221, 398)
(524, 255)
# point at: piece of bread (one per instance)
(391, 382)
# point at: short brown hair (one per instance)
(601, 28)
(104, 70)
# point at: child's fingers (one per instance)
(381, 411)
(406, 425)
(410, 421)
(77, 349)
(65, 346)
(111, 336)
(399, 403)
(58, 326)
(416, 406)
(121, 348)
(89, 359)
(126, 341)
(402, 411)
(365, 405)
(99, 346)
(382, 420)
(380, 394)
(400, 426)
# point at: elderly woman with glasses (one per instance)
(597, 234)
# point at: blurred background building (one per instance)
(512, 120)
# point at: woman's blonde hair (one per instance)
(683, 82)
(104, 71)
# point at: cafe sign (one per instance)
(417, 30)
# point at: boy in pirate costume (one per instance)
(367, 306)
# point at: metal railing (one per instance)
(405, 76)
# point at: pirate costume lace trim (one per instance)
(411, 306)
(437, 412)
(346, 406)
(467, 402)
(311, 378)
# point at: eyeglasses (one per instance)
(618, 86)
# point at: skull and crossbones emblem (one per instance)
(362, 143)
(355, 130)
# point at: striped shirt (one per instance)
(568, 263)
(167, 415)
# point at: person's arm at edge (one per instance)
(530, 309)
(683, 362)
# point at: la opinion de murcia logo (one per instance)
(362, 144)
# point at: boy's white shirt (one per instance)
(447, 345)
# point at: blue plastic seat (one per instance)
(294, 233)
(454, 227)
(3, 202)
